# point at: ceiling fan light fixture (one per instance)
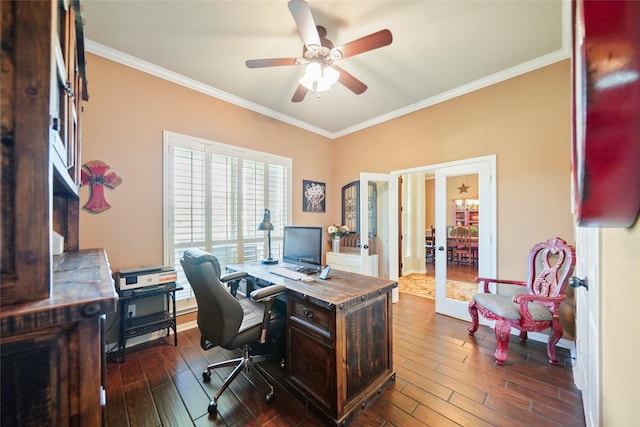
(313, 71)
(319, 54)
(330, 75)
(319, 79)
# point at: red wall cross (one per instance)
(93, 173)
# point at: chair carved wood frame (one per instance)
(550, 265)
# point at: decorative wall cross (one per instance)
(93, 173)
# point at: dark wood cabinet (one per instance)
(311, 357)
(43, 86)
(52, 306)
(53, 348)
(339, 354)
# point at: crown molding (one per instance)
(163, 73)
(160, 72)
(566, 51)
(501, 76)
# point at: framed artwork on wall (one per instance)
(313, 196)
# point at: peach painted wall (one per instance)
(524, 121)
(619, 326)
(122, 125)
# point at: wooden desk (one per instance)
(53, 348)
(339, 339)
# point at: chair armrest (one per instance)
(232, 280)
(267, 296)
(485, 282)
(233, 276)
(548, 301)
(553, 303)
(267, 293)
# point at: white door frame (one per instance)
(586, 372)
(488, 263)
(388, 236)
(485, 169)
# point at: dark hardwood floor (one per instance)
(462, 272)
(444, 378)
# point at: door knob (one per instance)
(440, 248)
(576, 282)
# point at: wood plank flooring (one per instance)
(444, 378)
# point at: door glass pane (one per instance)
(463, 209)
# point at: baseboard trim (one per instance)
(544, 338)
(188, 325)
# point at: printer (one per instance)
(145, 276)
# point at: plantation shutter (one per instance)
(278, 202)
(216, 198)
(188, 207)
(224, 208)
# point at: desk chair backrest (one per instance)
(219, 313)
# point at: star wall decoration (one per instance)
(463, 188)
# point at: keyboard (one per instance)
(285, 272)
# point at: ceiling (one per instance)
(440, 49)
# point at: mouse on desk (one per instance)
(307, 279)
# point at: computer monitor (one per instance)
(302, 247)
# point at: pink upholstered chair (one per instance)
(536, 308)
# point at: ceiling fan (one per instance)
(320, 55)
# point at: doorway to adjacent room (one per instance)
(459, 191)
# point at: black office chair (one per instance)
(226, 321)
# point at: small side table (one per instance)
(136, 326)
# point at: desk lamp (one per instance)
(267, 226)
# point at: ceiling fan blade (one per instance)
(301, 13)
(300, 93)
(350, 82)
(270, 62)
(364, 44)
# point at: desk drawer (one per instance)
(311, 367)
(311, 316)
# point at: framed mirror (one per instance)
(351, 207)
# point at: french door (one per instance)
(386, 226)
(454, 192)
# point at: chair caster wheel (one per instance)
(270, 397)
(206, 377)
(213, 408)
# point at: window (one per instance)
(214, 199)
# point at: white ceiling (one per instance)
(440, 49)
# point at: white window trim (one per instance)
(171, 139)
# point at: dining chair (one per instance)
(461, 244)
